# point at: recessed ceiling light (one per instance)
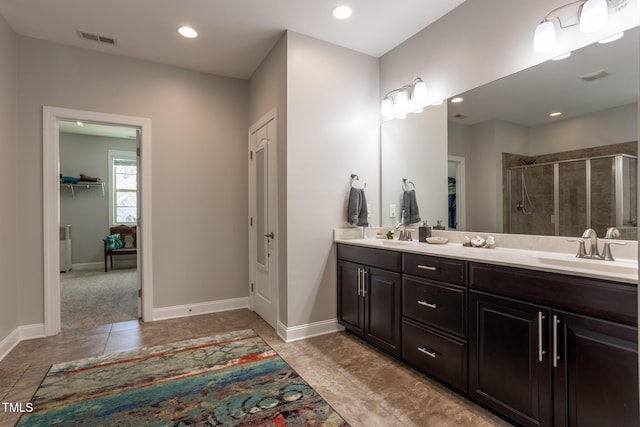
(438, 103)
(457, 99)
(555, 114)
(80, 123)
(188, 32)
(342, 12)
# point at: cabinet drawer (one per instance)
(593, 297)
(440, 356)
(380, 258)
(442, 269)
(436, 304)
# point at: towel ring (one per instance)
(355, 182)
(406, 182)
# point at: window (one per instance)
(123, 179)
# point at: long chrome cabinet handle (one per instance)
(359, 281)
(556, 321)
(428, 352)
(428, 304)
(364, 282)
(541, 352)
(427, 267)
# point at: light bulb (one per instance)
(402, 104)
(386, 108)
(544, 39)
(420, 93)
(593, 16)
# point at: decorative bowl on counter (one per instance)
(437, 240)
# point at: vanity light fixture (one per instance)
(188, 32)
(590, 15)
(397, 103)
(342, 12)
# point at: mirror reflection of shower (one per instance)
(566, 195)
(524, 199)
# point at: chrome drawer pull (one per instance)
(427, 352)
(555, 341)
(427, 304)
(427, 267)
(541, 352)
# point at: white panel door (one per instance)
(263, 219)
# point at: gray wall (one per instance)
(333, 130)
(9, 282)
(268, 90)
(199, 168)
(88, 210)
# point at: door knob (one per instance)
(270, 235)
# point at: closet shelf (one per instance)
(83, 184)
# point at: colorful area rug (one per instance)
(234, 379)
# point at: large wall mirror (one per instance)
(512, 167)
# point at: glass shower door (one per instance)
(572, 198)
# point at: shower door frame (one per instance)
(618, 182)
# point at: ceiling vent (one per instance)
(594, 76)
(97, 38)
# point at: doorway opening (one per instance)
(456, 193)
(99, 181)
(53, 117)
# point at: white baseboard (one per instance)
(199, 308)
(295, 333)
(21, 333)
(87, 266)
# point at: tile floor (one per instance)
(367, 387)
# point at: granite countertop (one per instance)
(620, 270)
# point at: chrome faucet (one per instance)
(590, 234)
(612, 233)
(404, 233)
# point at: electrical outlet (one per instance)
(392, 211)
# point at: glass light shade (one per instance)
(593, 16)
(420, 93)
(544, 39)
(402, 104)
(386, 108)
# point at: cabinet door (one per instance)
(596, 378)
(350, 302)
(382, 299)
(509, 367)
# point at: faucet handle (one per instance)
(612, 233)
(606, 251)
(582, 251)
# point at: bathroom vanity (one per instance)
(542, 341)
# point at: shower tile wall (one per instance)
(537, 217)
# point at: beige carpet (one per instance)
(91, 298)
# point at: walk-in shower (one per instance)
(563, 198)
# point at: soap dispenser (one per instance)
(424, 231)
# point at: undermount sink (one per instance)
(616, 267)
(396, 242)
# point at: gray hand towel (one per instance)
(357, 208)
(410, 207)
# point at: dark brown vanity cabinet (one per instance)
(434, 322)
(570, 359)
(369, 295)
(508, 366)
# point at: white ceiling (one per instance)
(96, 129)
(527, 97)
(234, 35)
